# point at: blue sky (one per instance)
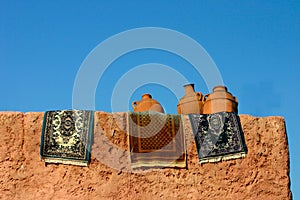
(255, 45)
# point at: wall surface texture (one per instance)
(262, 174)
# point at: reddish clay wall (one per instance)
(262, 174)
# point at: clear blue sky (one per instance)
(255, 45)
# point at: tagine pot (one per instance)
(191, 102)
(220, 100)
(147, 104)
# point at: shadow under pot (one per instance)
(191, 102)
(147, 104)
(220, 100)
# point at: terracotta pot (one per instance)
(191, 102)
(146, 104)
(220, 100)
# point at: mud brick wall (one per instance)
(262, 174)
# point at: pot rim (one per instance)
(147, 94)
(192, 84)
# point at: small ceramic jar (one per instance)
(146, 104)
(220, 100)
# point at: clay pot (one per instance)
(191, 102)
(220, 100)
(146, 104)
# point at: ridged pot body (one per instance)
(147, 104)
(220, 100)
(191, 102)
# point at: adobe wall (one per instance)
(262, 174)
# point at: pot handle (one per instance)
(236, 100)
(134, 104)
(200, 95)
(205, 97)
